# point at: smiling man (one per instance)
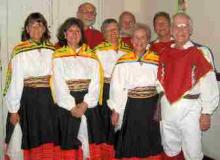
(162, 25)
(87, 14)
(190, 90)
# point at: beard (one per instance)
(89, 22)
(126, 32)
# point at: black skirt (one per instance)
(37, 118)
(68, 126)
(106, 117)
(140, 135)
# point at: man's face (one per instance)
(127, 23)
(181, 30)
(162, 26)
(87, 14)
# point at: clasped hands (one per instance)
(79, 110)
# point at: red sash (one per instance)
(179, 68)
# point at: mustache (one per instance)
(89, 22)
(126, 31)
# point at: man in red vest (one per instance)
(87, 14)
(187, 79)
(162, 25)
(126, 24)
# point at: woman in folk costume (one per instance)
(108, 53)
(27, 93)
(133, 100)
(77, 82)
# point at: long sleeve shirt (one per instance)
(108, 55)
(130, 74)
(29, 60)
(75, 67)
(207, 86)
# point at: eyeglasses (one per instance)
(184, 27)
(88, 13)
(35, 25)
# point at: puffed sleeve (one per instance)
(91, 98)
(209, 93)
(209, 86)
(14, 93)
(60, 88)
(118, 91)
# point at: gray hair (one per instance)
(141, 26)
(126, 13)
(83, 5)
(182, 14)
(106, 22)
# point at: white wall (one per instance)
(207, 25)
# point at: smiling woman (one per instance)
(27, 93)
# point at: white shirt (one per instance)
(207, 87)
(129, 75)
(75, 68)
(108, 58)
(33, 63)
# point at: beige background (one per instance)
(203, 12)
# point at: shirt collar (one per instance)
(157, 40)
(185, 46)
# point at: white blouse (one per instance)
(129, 75)
(75, 68)
(32, 63)
(108, 59)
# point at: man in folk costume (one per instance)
(133, 100)
(126, 22)
(164, 38)
(191, 95)
(87, 14)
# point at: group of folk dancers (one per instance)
(114, 100)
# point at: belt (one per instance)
(107, 80)
(78, 85)
(191, 96)
(142, 92)
(37, 82)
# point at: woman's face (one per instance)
(111, 33)
(35, 30)
(73, 36)
(139, 40)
